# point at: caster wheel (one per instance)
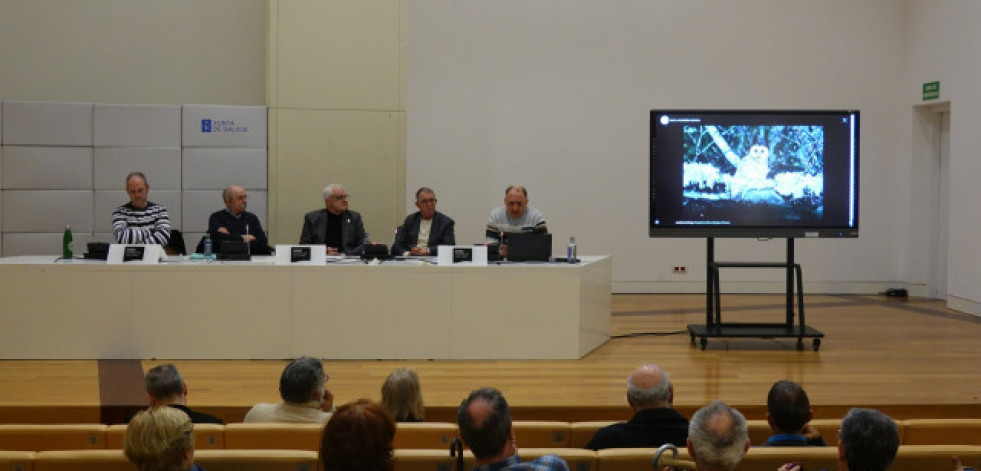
(816, 344)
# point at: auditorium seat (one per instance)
(35, 437)
(429, 460)
(632, 459)
(581, 432)
(759, 430)
(578, 459)
(942, 432)
(771, 458)
(424, 435)
(256, 460)
(17, 460)
(934, 457)
(206, 436)
(82, 460)
(273, 436)
(541, 433)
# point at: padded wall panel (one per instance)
(224, 126)
(47, 210)
(106, 202)
(216, 168)
(162, 167)
(46, 168)
(136, 125)
(48, 243)
(47, 124)
(199, 204)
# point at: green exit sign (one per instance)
(931, 90)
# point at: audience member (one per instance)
(402, 396)
(514, 216)
(650, 394)
(788, 412)
(358, 437)
(234, 223)
(335, 226)
(718, 438)
(140, 221)
(485, 426)
(425, 230)
(160, 439)
(868, 441)
(165, 387)
(303, 387)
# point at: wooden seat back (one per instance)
(273, 436)
(41, 437)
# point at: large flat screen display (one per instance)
(754, 173)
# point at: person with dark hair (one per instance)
(650, 394)
(402, 396)
(788, 411)
(718, 438)
(166, 387)
(140, 221)
(514, 216)
(425, 230)
(160, 439)
(484, 419)
(303, 387)
(358, 437)
(868, 441)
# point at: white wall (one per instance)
(555, 95)
(943, 44)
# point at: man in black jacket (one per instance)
(335, 226)
(425, 230)
(165, 387)
(235, 223)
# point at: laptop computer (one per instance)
(529, 246)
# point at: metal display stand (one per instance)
(714, 327)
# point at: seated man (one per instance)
(718, 438)
(165, 387)
(235, 223)
(335, 226)
(140, 221)
(425, 230)
(303, 387)
(868, 441)
(160, 438)
(650, 394)
(514, 216)
(788, 412)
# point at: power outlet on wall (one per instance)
(679, 270)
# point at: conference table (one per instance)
(343, 309)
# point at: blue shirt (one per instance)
(544, 463)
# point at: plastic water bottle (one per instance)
(207, 246)
(67, 244)
(570, 252)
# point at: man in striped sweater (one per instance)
(140, 221)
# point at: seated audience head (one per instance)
(649, 387)
(335, 198)
(787, 408)
(165, 386)
(137, 187)
(516, 201)
(358, 437)
(485, 425)
(718, 437)
(426, 202)
(236, 199)
(402, 396)
(160, 439)
(303, 380)
(868, 440)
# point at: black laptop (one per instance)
(529, 246)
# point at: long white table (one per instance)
(258, 310)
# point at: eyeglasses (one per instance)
(428, 201)
(340, 197)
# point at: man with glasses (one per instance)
(335, 226)
(425, 230)
(306, 399)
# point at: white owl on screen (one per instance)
(756, 164)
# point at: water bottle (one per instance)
(207, 246)
(67, 244)
(570, 252)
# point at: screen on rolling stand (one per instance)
(754, 173)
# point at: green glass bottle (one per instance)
(66, 244)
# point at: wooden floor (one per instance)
(912, 358)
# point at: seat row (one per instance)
(909, 458)
(425, 435)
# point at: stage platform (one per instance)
(912, 358)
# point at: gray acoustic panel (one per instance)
(46, 243)
(47, 124)
(199, 204)
(136, 125)
(161, 165)
(223, 126)
(106, 201)
(47, 210)
(206, 168)
(46, 168)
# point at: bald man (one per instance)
(514, 216)
(650, 395)
(235, 223)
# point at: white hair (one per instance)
(329, 189)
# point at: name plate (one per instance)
(301, 255)
(136, 254)
(462, 255)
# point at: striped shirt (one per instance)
(499, 222)
(141, 226)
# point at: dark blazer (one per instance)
(441, 233)
(353, 235)
(649, 428)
